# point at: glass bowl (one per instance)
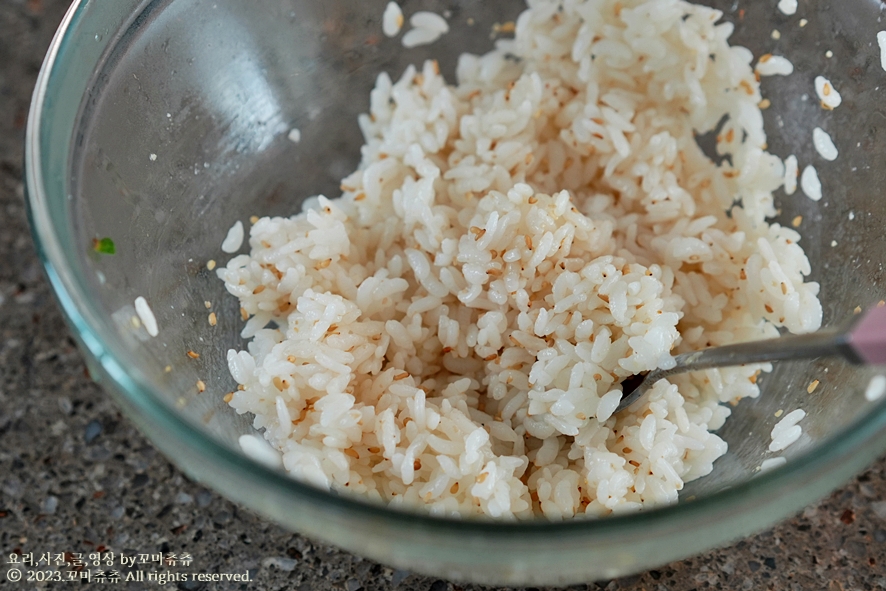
(159, 123)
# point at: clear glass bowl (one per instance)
(211, 87)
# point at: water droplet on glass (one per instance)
(98, 37)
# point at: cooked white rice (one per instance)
(427, 28)
(392, 19)
(876, 388)
(790, 174)
(786, 432)
(772, 463)
(432, 21)
(824, 145)
(774, 65)
(258, 449)
(881, 41)
(827, 94)
(451, 332)
(234, 239)
(810, 183)
(787, 7)
(146, 316)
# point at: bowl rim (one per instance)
(83, 319)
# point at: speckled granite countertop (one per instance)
(75, 475)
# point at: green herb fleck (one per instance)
(104, 246)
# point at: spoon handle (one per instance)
(823, 343)
(863, 342)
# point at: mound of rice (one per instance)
(451, 332)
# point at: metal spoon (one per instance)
(862, 340)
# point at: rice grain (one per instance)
(451, 332)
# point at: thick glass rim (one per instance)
(812, 466)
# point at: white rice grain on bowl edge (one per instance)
(876, 388)
(234, 240)
(392, 19)
(146, 315)
(810, 183)
(787, 7)
(824, 145)
(774, 65)
(452, 337)
(790, 174)
(427, 28)
(772, 463)
(259, 450)
(827, 94)
(786, 432)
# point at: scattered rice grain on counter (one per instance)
(876, 388)
(451, 332)
(294, 135)
(824, 145)
(881, 41)
(146, 316)
(786, 432)
(810, 184)
(234, 240)
(392, 19)
(827, 94)
(787, 7)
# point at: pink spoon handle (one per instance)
(868, 337)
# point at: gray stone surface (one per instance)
(75, 475)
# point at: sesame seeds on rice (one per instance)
(451, 332)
